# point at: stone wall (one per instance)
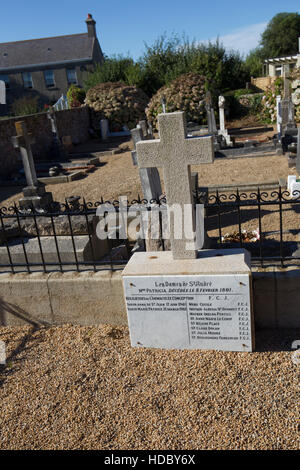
(262, 83)
(74, 122)
(89, 298)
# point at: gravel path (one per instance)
(85, 388)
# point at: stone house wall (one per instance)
(74, 122)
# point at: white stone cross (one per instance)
(174, 152)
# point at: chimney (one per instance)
(91, 26)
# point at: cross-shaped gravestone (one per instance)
(34, 194)
(174, 152)
(23, 141)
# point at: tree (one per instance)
(254, 61)
(280, 38)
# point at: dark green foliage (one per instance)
(76, 96)
(280, 38)
(169, 58)
(115, 69)
(25, 106)
(242, 102)
(254, 62)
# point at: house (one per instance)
(274, 68)
(47, 67)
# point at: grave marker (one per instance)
(175, 153)
(150, 179)
(2, 92)
(57, 149)
(173, 300)
(34, 194)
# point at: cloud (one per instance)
(243, 39)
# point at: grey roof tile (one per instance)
(46, 50)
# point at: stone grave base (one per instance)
(82, 246)
(203, 303)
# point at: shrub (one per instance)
(269, 101)
(76, 96)
(119, 103)
(185, 93)
(25, 106)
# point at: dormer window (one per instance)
(27, 80)
(49, 78)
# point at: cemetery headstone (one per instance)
(2, 92)
(144, 127)
(223, 131)
(57, 149)
(34, 193)
(175, 301)
(104, 129)
(175, 153)
(150, 179)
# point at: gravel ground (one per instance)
(86, 388)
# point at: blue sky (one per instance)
(124, 25)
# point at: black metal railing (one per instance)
(278, 245)
(64, 238)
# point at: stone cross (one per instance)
(175, 153)
(2, 92)
(23, 141)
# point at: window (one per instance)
(279, 71)
(49, 78)
(5, 79)
(72, 76)
(27, 80)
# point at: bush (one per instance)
(242, 102)
(168, 59)
(76, 96)
(119, 103)
(25, 106)
(185, 93)
(269, 101)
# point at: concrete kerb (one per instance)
(89, 298)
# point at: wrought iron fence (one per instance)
(278, 245)
(64, 238)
